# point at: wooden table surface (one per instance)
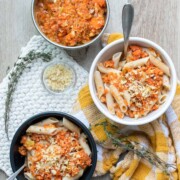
(158, 21)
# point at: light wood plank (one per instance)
(159, 22)
(16, 30)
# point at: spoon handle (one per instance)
(127, 20)
(13, 176)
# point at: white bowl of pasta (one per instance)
(134, 90)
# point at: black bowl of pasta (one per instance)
(54, 145)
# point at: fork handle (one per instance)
(127, 20)
(13, 176)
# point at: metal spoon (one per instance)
(127, 20)
(13, 176)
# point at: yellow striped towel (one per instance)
(161, 136)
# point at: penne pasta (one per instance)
(134, 64)
(133, 91)
(31, 153)
(50, 120)
(72, 127)
(110, 103)
(162, 98)
(121, 65)
(54, 1)
(116, 58)
(149, 109)
(166, 82)
(99, 83)
(59, 129)
(28, 163)
(46, 152)
(105, 70)
(158, 58)
(132, 108)
(127, 97)
(129, 56)
(83, 143)
(150, 51)
(41, 130)
(118, 98)
(160, 65)
(29, 176)
(119, 113)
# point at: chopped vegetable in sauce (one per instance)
(137, 86)
(71, 22)
(54, 156)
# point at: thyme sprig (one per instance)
(14, 76)
(136, 147)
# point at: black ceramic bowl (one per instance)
(17, 160)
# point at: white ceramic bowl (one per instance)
(106, 54)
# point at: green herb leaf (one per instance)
(137, 148)
(15, 75)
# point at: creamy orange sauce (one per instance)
(144, 84)
(54, 157)
(71, 22)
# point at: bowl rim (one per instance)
(70, 47)
(73, 119)
(158, 112)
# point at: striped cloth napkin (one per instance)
(160, 137)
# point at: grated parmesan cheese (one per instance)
(58, 77)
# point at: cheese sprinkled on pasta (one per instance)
(133, 87)
(56, 155)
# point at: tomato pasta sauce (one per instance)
(71, 22)
(54, 156)
(134, 86)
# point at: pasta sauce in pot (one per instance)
(71, 22)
